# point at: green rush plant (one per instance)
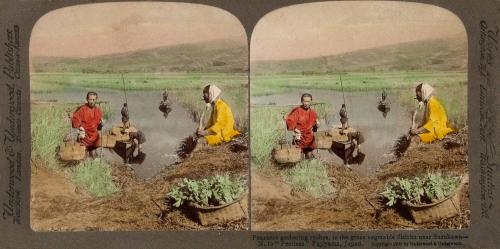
(94, 175)
(310, 176)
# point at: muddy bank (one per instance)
(57, 205)
(356, 205)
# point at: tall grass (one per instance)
(311, 177)
(94, 175)
(107, 113)
(49, 126)
(267, 128)
(324, 112)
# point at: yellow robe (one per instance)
(221, 124)
(436, 122)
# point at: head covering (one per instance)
(427, 91)
(213, 93)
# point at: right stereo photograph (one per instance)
(358, 118)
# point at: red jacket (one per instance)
(305, 121)
(89, 119)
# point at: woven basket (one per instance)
(334, 132)
(287, 153)
(107, 141)
(71, 151)
(117, 132)
(323, 140)
(235, 210)
(445, 208)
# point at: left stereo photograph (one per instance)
(139, 118)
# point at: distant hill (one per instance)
(218, 56)
(428, 55)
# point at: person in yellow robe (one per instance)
(220, 127)
(435, 122)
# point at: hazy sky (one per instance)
(317, 29)
(96, 29)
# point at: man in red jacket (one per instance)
(303, 122)
(88, 120)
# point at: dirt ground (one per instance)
(356, 205)
(58, 205)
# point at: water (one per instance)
(379, 132)
(163, 136)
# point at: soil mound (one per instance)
(57, 205)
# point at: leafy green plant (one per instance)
(213, 191)
(420, 190)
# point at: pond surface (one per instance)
(362, 107)
(163, 136)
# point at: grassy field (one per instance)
(279, 83)
(53, 82)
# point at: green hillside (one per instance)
(429, 55)
(218, 56)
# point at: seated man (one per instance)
(88, 120)
(303, 122)
(435, 122)
(220, 127)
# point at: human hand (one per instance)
(100, 125)
(81, 133)
(202, 133)
(413, 131)
(297, 134)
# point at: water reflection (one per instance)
(349, 155)
(126, 151)
(165, 109)
(384, 108)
